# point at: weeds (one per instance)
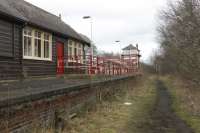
(114, 116)
(186, 103)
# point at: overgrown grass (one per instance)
(114, 116)
(185, 101)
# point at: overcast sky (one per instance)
(130, 21)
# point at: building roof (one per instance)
(130, 47)
(28, 13)
(6, 7)
(86, 39)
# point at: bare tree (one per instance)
(179, 35)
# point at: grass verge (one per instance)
(185, 101)
(114, 116)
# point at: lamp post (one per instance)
(92, 48)
(120, 55)
(91, 33)
(120, 47)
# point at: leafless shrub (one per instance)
(179, 36)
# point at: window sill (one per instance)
(35, 58)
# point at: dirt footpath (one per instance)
(150, 112)
(164, 120)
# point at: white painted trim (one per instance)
(36, 58)
(33, 57)
(79, 47)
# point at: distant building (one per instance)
(131, 55)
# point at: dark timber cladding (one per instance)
(10, 49)
(42, 68)
(6, 38)
(15, 16)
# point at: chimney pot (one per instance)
(60, 16)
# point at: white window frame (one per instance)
(33, 57)
(29, 36)
(80, 51)
(75, 45)
(75, 48)
(70, 45)
(70, 53)
(37, 38)
(50, 45)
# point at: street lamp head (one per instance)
(86, 17)
(117, 41)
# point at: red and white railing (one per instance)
(102, 65)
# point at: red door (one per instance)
(60, 58)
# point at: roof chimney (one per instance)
(137, 46)
(60, 16)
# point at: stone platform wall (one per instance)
(55, 111)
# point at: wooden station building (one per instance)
(34, 42)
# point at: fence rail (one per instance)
(103, 65)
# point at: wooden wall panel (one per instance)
(10, 50)
(43, 68)
(6, 38)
